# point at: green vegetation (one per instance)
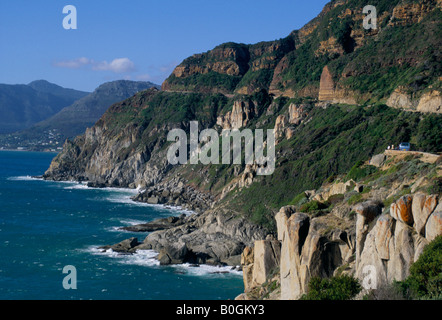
(313, 205)
(335, 288)
(300, 199)
(359, 171)
(425, 280)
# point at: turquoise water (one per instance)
(45, 226)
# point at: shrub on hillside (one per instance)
(425, 279)
(335, 288)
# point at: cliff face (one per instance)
(334, 44)
(111, 155)
(230, 67)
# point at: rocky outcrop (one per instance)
(385, 243)
(230, 60)
(297, 112)
(127, 246)
(260, 262)
(242, 112)
(326, 86)
(280, 127)
(158, 224)
(175, 192)
(308, 250)
(409, 13)
(212, 237)
(285, 123)
(430, 102)
(397, 239)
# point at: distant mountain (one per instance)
(75, 118)
(21, 105)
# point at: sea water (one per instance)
(46, 225)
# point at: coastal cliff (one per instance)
(326, 92)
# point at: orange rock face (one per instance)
(401, 210)
(326, 86)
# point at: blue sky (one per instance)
(135, 39)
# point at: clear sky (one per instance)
(132, 39)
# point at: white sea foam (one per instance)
(141, 257)
(24, 178)
(77, 186)
(207, 270)
(147, 258)
(123, 196)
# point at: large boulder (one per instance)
(125, 246)
(383, 235)
(378, 160)
(421, 208)
(267, 254)
(434, 224)
(174, 253)
(401, 210)
(366, 212)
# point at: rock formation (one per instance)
(430, 102)
(308, 247)
(242, 112)
(363, 240)
(326, 86)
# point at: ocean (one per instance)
(46, 226)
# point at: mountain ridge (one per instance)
(23, 105)
(72, 120)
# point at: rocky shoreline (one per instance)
(209, 235)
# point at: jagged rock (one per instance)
(214, 235)
(430, 102)
(368, 209)
(158, 224)
(281, 220)
(401, 209)
(296, 113)
(393, 244)
(174, 253)
(402, 254)
(125, 246)
(242, 112)
(153, 200)
(400, 99)
(366, 212)
(280, 125)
